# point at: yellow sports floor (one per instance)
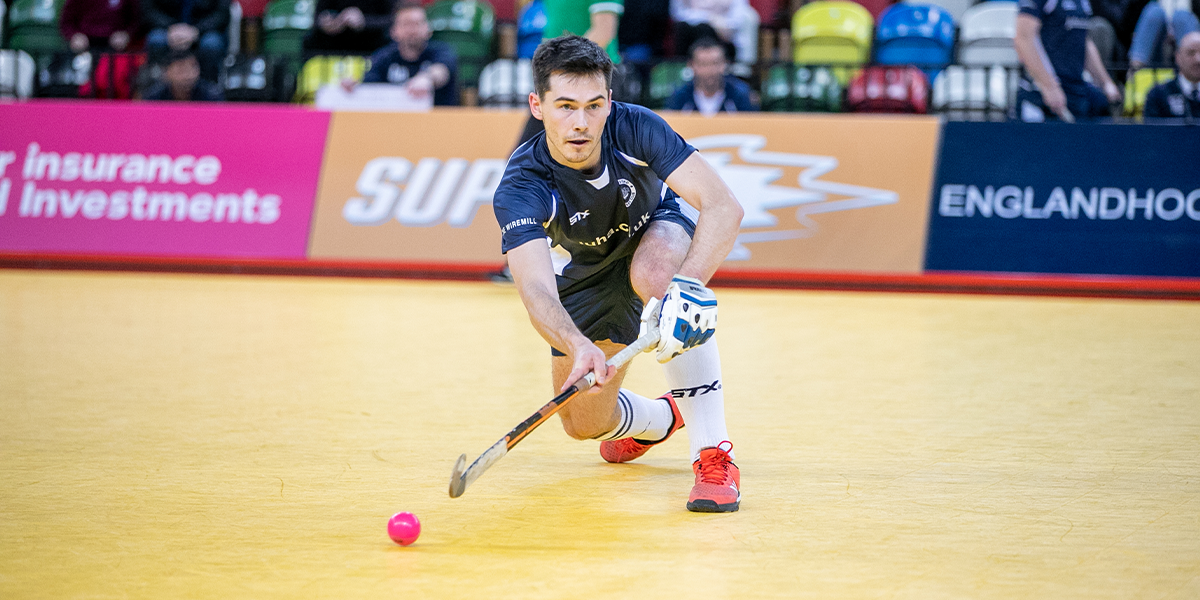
(183, 436)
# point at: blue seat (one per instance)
(915, 34)
(529, 28)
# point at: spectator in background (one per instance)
(717, 19)
(643, 30)
(181, 81)
(1180, 97)
(1171, 18)
(99, 24)
(711, 90)
(424, 67)
(350, 26)
(177, 25)
(1058, 31)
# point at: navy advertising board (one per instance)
(1058, 198)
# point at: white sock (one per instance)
(641, 418)
(695, 380)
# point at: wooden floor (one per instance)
(171, 436)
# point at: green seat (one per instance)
(33, 26)
(810, 89)
(285, 24)
(468, 26)
(665, 78)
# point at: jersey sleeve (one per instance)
(650, 139)
(612, 6)
(522, 205)
(1033, 8)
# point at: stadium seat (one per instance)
(986, 35)
(529, 28)
(915, 34)
(810, 89)
(1138, 86)
(248, 78)
(468, 26)
(324, 70)
(974, 93)
(879, 89)
(60, 75)
(285, 23)
(114, 76)
(956, 8)
(665, 78)
(33, 26)
(16, 74)
(506, 83)
(832, 32)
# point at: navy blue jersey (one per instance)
(590, 222)
(387, 66)
(1064, 35)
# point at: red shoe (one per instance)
(717, 481)
(627, 449)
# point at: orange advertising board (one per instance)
(834, 193)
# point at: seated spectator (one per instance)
(716, 19)
(103, 25)
(711, 90)
(177, 25)
(643, 29)
(181, 81)
(350, 26)
(424, 67)
(1170, 18)
(1180, 97)
(1055, 88)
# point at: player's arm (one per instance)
(720, 216)
(603, 27)
(533, 273)
(1028, 43)
(1095, 65)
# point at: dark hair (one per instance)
(401, 5)
(705, 43)
(569, 55)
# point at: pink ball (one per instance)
(404, 528)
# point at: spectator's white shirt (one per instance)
(709, 105)
(721, 14)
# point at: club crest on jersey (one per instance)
(579, 216)
(628, 192)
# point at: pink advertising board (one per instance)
(159, 180)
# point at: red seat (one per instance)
(889, 90)
(875, 7)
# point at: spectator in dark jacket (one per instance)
(99, 24)
(182, 82)
(350, 26)
(424, 67)
(711, 90)
(177, 25)
(1180, 97)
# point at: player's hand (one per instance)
(589, 359)
(421, 85)
(688, 318)
(79, 43)
(1055, 99)
(1113, 92)
(353, 18)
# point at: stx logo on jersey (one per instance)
(699, 390)
(579, 216)
(424, 195)
(751, 180)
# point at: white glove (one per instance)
(688, 317)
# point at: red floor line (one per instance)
(934, 282)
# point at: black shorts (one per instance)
(607, 308)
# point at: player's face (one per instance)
(573, 111)
(1187, 57)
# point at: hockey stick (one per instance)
(464, 475)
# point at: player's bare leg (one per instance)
(611, 413)
(694, 377)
